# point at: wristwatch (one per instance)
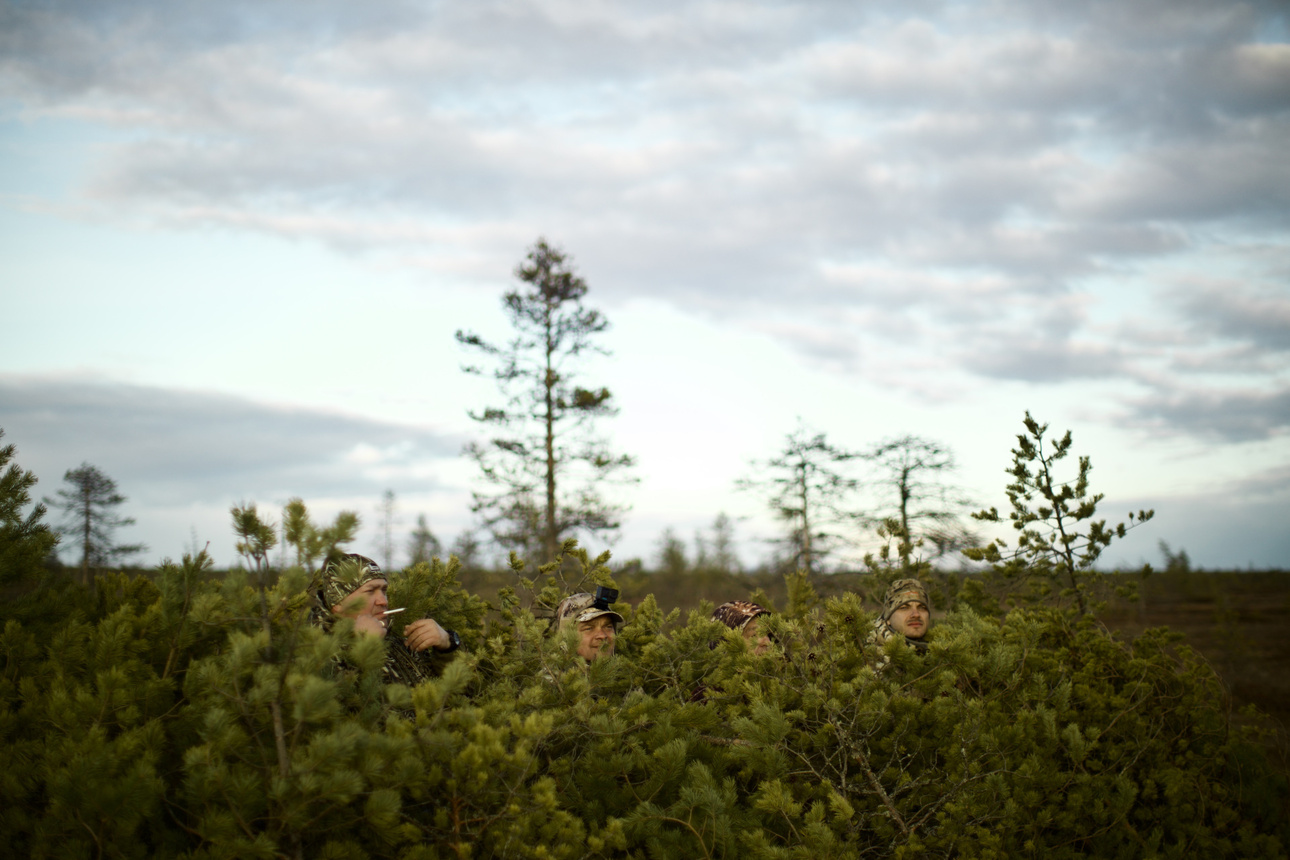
(454, 642)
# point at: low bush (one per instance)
(207, 718)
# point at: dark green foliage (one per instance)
(208, 719)
(25, 541)
(80, 734)
(431, 590)
(200, 718)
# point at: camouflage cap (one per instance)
(577, 608)
(904, 591)
(340, 577)
(736, 614)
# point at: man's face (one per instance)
(759, 642)
(365, 604)
(911, 619)
(596, 637)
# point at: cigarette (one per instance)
(392, 611)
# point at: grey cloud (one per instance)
(1239, 360)
(1042, 339)
(832, 347)
(486, 44)
(1242, 80)
(1236, 175)
(1037, 360)
(1272, 482)
(184, 447)
(917, 66)
(1235, 310)
(1100, 69)
(1222, 416)
(1064, 89)
(403, 150)
(958, 299)
(1043, 258)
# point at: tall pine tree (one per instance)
(546, 469)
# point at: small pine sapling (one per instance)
(1059, 541)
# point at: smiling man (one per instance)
(596, 623)
(906, 611)
(354, 587)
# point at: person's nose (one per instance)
(380, 601)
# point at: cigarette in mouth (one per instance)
(392, 611)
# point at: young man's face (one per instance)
(911, 619)
(596, 637)
(365, 605)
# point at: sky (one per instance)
(236, 240)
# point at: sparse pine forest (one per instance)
(188, 712)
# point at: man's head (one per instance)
(742, 615)
(596, 623)
(354, 587)
(907, 608)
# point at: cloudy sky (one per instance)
(236, 240)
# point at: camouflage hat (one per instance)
(342, 576)
(736, 614)
(577, 608)
(904, 591)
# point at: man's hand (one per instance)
(426, 634)
(369, 624)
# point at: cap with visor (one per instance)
(577, 608)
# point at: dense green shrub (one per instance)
(206, 718)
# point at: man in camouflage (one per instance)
(596, 623)
(742, 615)
(354, 587)
(907, 612)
